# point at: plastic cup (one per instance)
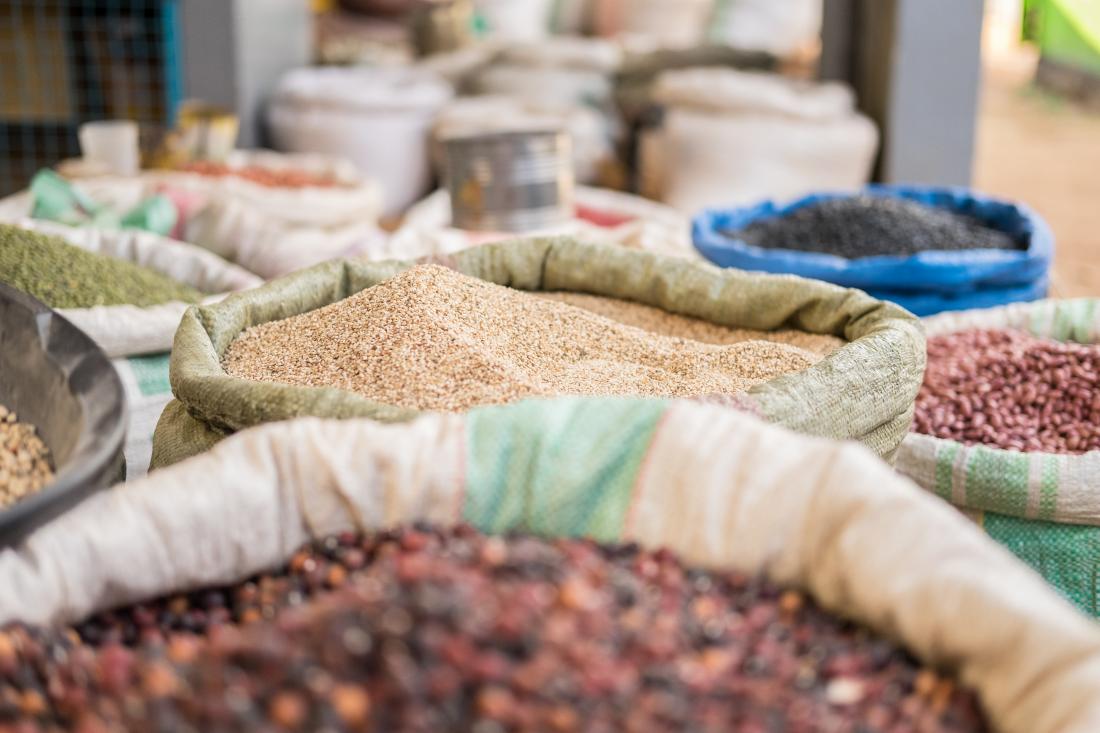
(111, 144)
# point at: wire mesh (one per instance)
(66, 62)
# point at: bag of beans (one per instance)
(271, 213)
(600, 215)
(381, 503)
(274, 213)
(136, 337)
(928, 249)
(863, 390)
(1008, 429)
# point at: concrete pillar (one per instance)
(234, 52)
(916, 68)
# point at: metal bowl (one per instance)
(54, 377)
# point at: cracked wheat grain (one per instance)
(434, 339)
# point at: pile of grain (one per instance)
(655, 320)
(24, 460)
(433, 339)
(867, 226)
(64, 276)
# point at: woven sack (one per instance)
(138, 339)
(719, 488)
(126, 330)
(864, 391)
(591, 135)
(1045, 507)
(272, 230)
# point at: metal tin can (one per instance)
(515, 181)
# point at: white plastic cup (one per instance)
(112, 145)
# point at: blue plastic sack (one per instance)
(931, 303)
(959, 272)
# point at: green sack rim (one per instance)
(884, 357)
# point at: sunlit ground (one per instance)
(1040, 149)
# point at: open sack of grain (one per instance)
(274, 213)
(501, 616)
(592, 138)
(928, 249)
(389, 340)
(1008, 429)
(127, 290)
(271, 213)
(601, 216)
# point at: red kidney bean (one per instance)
(1011, 390)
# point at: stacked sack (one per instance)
(568, 80)
(927, 249)
(733, 137)
(271, 213)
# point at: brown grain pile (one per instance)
(24, 460)
(434, 339)
(655, 320)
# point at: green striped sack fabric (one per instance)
(1045, 507)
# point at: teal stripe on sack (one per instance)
(1066, 555)
(151, 374)
(997, 481)
(945, 469)
(557, 467)
(1048, 486)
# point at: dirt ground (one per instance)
(1045, 151)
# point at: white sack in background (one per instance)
(732, 138)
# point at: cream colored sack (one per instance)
(272, 230)
(719, 487)
(126, 330)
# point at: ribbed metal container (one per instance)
(510, 181)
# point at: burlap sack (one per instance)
(1044, 506)
(719, 488)
(864, 391)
